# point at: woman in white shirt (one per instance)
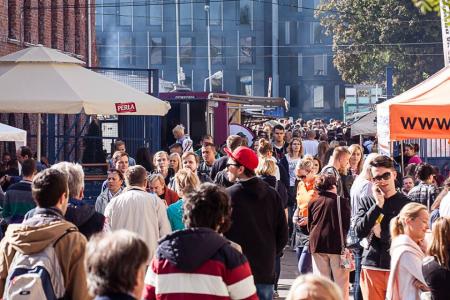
(408, 231)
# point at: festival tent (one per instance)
(366, 125)
(13, 134)
(44, 80)
(423, 112)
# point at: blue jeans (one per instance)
(277, 271)
(264, 291)
(304, 260)
(357, 252)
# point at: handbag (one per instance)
(347, 260)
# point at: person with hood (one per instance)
(78, 212)
(258, 219)
(180, 267)
(45, 228)
(407, 250)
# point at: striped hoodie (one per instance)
(198, 263)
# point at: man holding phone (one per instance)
(373, 219)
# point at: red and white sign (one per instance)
(128, 107)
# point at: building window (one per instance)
(245, 85)
(316, 34)
(215, 10)
(156, 51)
(185, 12)
(41, 22)
(12, 19)
(287, 32)
(317, 3)
(287, 93)
(216, 50)
(317, 92)
(337, 99)
(299, 5)
(127, 50)
(186, 50)
(246, 52)
(125, 12)
(300, 65)
(245, 12)
(320, 65)
(154, 13)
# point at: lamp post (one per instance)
(217, 75)
(208, 29)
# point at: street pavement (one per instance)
(289, 272)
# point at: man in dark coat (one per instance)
(258, 219)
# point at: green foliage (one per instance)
(426, 6)
(368, 35)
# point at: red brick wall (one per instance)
(60, 24)
(49, 23)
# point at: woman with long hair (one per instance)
(175, 161)
(186, 181)
(436, 267)
(145, 159)
(304, 194)
(289, 162)
(411, 154)
(322, 149)
(329, 213)
(408, 231)
(356, 159)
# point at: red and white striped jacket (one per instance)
(198, 263)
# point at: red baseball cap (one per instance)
(244, 156)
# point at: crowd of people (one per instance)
(212, 222)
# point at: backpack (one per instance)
(37, 275)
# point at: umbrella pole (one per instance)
(402, 158)
(39, 137)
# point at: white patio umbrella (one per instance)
(43, 80)
(13, 134)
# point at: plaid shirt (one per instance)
(423, 193)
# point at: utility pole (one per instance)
(208, 28)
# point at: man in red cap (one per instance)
(258, 220)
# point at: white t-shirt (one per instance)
(292, 163)
(310, 147)
(444, 208)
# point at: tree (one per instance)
(368, 35)
(426, 6)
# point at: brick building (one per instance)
(58, 24)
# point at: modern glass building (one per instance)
(251, 41)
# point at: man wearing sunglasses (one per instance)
(374, 216)
(258, 222)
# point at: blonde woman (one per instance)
(356, 159)
(175, 162)
(266, 171)
(314, 287)
(436, 267)
(186, 181)
(408, 230)
(265, 150)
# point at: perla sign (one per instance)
(128, 107)
(444, 6)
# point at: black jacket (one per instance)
(115, 296)
(437, 278)
(258, 225)
(222, 179)
(219, 165)
(83, 215)
(377, 255)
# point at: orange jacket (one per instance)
(305, 193)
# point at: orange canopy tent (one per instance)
(423, 112)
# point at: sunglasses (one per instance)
(384, 176)
(230, 164)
